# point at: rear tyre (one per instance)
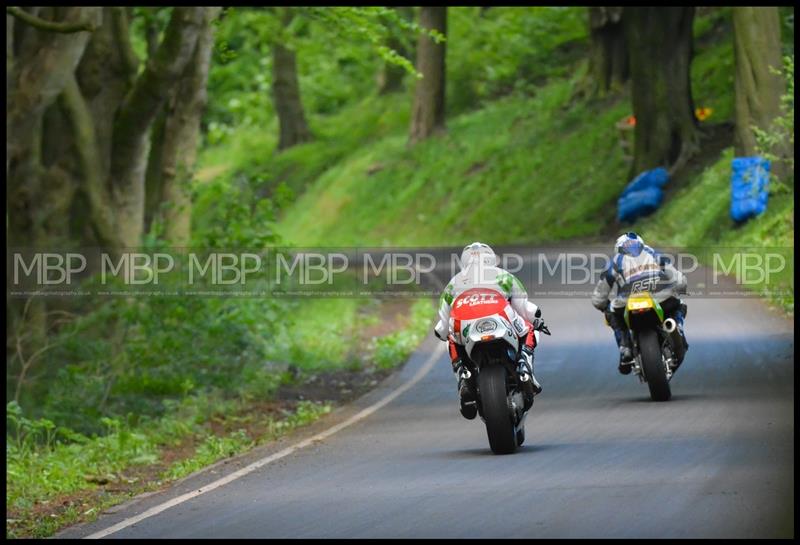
(653, 364)
(496, 411)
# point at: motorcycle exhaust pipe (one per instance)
(671, 328)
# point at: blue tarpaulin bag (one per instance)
(639, 203)
(656, 177)
(643, 195)
(749, 187)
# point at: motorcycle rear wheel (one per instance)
(496, 411)
(653, 365)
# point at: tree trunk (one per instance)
(39, 73)
(757, 40)
(98, 131)
(91, 171)
(391, 76)
(660, 46)
(427, 115)
(35, 83)
(131, 133)
(181, 135)
(608, 56)
(286, 95)
(153, 178)
(9, 72)
(39, 65)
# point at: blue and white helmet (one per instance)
(629, 244)
(478, 253)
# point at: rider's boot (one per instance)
(530, 386)
(625, 352)
(625, 360)
(679, 317)
(466, 391)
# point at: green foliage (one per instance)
(512, 49)
(372, 25)
(712, 69)
(394, 348)
(777, 142)
(505, 157)
(697, 216)
(131, 355)
(327, 334)
(25, 435)
(230, 214)
(521, 160)
(787, 29)
(68, 462)
(146, 19)
(522, 155)
(698, 213)
(245, 170)
(321, 333)
(330, 78)
(212, 449)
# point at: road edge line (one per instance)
(364, 413)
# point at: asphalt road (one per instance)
(600, 459)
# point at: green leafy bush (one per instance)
(777, 142)
(392, 349)
(498, 51)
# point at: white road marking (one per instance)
(426, 367)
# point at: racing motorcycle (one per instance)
(658, 347)
(487, 326)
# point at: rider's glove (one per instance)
(539, 325)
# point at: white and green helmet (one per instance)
(480, 253)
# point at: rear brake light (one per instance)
(487, 337)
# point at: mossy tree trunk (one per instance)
(660, 47)
(757, 50)
(42, 49)
(293, 127)
(427, 114)
(131, 131)
(608, 54)
(41, 64)
(175, 140)
(79, 115)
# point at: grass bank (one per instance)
(58, 476)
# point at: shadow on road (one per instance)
(675, 398)
(485, 452)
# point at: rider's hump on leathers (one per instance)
(625, 272)
(480, 270)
